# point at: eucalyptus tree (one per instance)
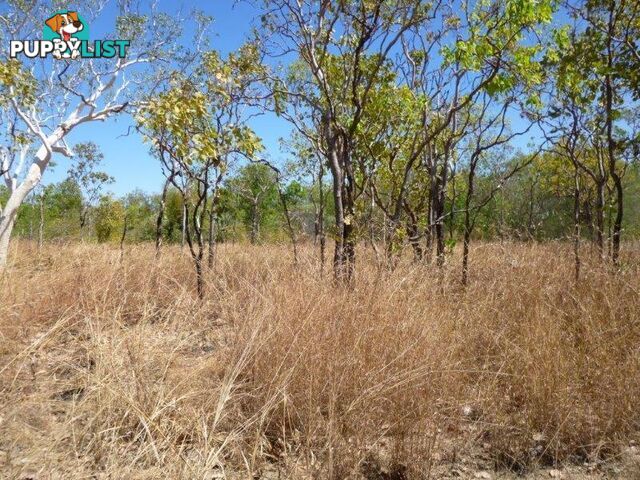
(570, 123)
(309, 163)
(458, 74)
(340, 49)
(196, 127)
(90, 180)
(488, 150)
(178, 124)
(602, 56)
(255, 185)
(467, 50)
(391, 155)
(448, 53)
(43, 101)
(285, 195)
(573, 123)
(109, 219)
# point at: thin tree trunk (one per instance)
(198, 216)
(184, 223)
(321, 201)
(41, 225)
(394, 249)
(160, 219)
(576, 223)
(609, 232)
(349, 261)
(384, 229)
(530, 211)
(83, 218)
(287, 216)
(431, 201)
(198, 224)
(213, 220)
(393, 246)
(212, 236)
(349, 251)
(343, 195)
(617, 181)
(440, 206)
(467, 225)
(617, 223)
(338, 253)
(125, 227)
(414, 240)
(372, 236)
(413, 231)
(316, 223)
(611, 144)
(601, 184)
(452, 210)
(587, 218)
(465, 252)
(255, 225)
(442, 190)
(196, 255)
(199, 278)
(429, 233)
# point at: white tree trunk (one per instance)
(6, 226)
(32, 179)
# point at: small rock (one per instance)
(471, 412)
(214, 474)
(538, 437)
(485, 475)
(615, 469)
(555, 474)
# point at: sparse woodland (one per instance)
(435, 276)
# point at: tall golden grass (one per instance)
(111, 368)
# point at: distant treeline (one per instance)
(536, 204)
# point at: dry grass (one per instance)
(114, 370)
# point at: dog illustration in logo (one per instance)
(65, 25)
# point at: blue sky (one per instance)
(127, 158)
